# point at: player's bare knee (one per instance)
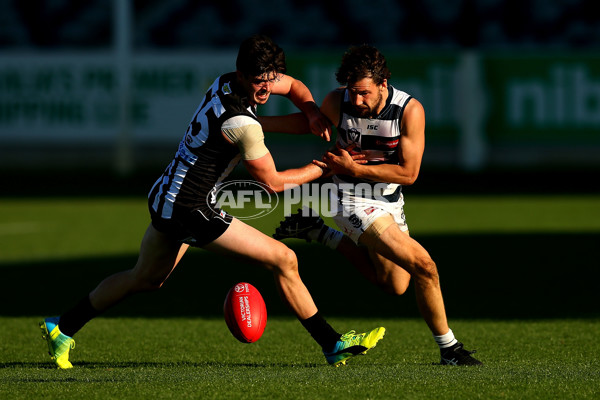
(426, 269)
(287, 260)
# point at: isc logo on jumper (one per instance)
(243, 199)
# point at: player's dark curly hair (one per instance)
(258, 54)
(362, 62)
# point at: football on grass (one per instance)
(245, 312)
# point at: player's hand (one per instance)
(319, 124)
(343, 160)
(327, 172)
(357, 156)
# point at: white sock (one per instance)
(446, 340)
(327, 236)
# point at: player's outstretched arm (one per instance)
(302, 98)
(246, 133)
(263, 170)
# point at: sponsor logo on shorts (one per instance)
(355, 221)
(370, 210)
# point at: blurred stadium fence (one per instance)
(126, 109)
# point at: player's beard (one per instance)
(365, 111)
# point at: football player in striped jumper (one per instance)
(387, 127)
(184, 211)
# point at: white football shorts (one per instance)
(353, 215)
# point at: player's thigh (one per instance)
(158, 256)
(405, 251)
(390, 276)
(397, 246)
(243, 241)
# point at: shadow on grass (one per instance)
(483, 276)
(113, 365)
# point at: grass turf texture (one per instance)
(198, 358)
(519, 274)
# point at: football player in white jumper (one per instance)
(387, 127)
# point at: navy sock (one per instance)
(75, 318)
(321, 331)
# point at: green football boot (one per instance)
(352, 344)
(58, 343)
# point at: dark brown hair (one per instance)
(362, 62)
(258, 54)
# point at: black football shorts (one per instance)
(194, 227)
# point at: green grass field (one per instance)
(519, 275)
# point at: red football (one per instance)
(245, 312)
